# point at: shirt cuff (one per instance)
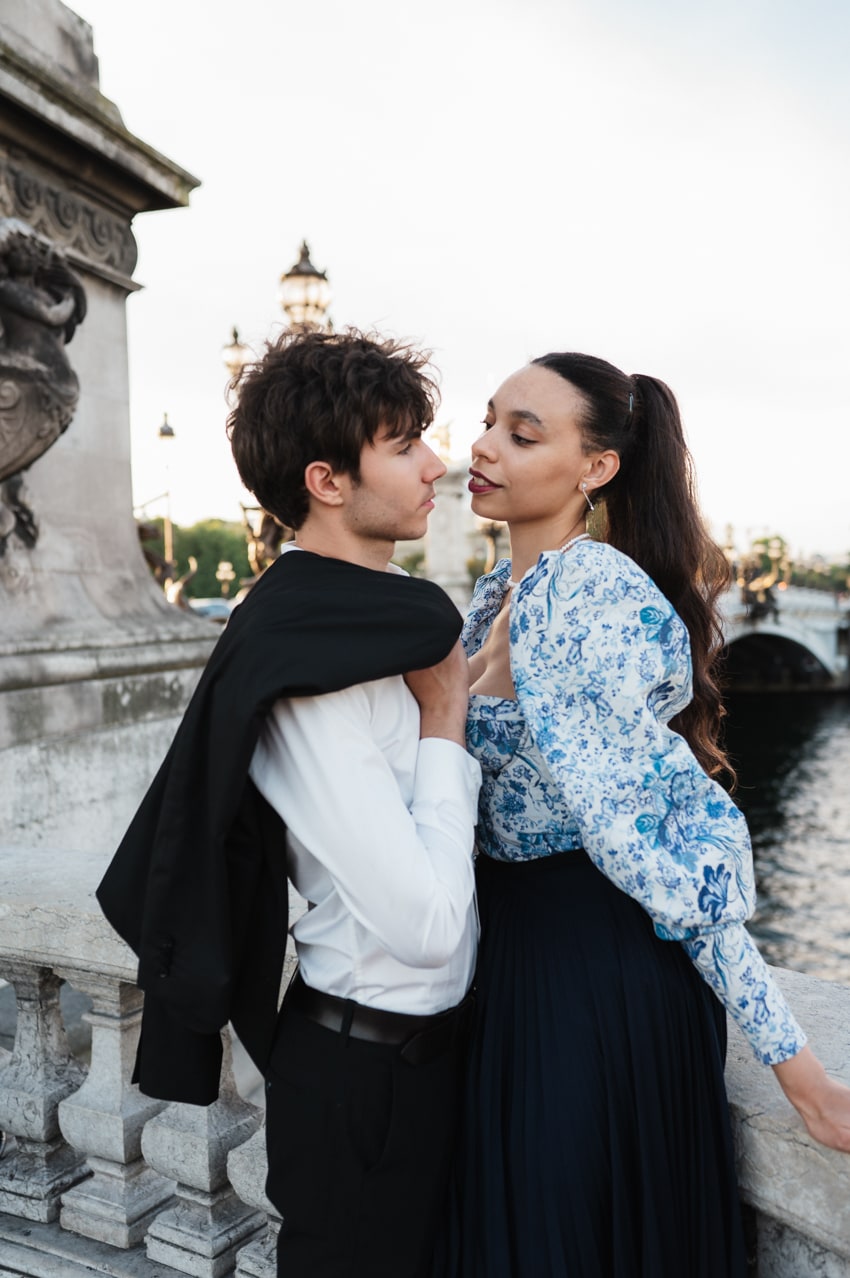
(732, 965)
(444, 770)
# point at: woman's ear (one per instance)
(601, 469)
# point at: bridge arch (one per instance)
(774, 655)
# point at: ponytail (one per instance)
(651, 514)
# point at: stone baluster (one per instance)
(39, 1074)
(105, 1119)
(203, 1229)
(247, 1168)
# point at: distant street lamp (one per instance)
(166, 431)
(236, 354)
(224, 574)
(305, 295)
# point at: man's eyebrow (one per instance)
(412, 431)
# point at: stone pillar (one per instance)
(247, 1167)
(40, 1073)
(104, 1120)
(202, 1231)
(95, 665)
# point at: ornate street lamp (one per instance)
(236, 354)
(305, 295)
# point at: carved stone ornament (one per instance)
(65, 218)
(41, 303)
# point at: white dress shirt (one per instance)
(379, 842)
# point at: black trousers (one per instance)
(359, 1145)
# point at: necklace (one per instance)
(565, 545)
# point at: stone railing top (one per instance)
(781, 1169)
(174, 643)
(49, 914)
(791, 603)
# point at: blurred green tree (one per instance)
(211, 541)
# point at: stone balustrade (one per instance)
(98, 1175)
(101, 1178)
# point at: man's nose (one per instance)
(435, 468)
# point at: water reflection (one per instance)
(793, 758)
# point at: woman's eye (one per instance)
(521, 439)
(487, 425)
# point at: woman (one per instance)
(615, 874)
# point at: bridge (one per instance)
(786, 638)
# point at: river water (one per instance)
(792, 753)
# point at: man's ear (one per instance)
(323, 483)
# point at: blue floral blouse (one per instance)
(584, 758)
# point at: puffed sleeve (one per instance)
(601, 663)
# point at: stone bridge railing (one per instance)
(100, 1178)
(814, 619)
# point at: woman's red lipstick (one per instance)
(480, 483)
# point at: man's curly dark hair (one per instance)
(317, 396)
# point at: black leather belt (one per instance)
(421, 1038)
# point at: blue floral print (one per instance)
(715, 895)
(521, 811)
(584, 758)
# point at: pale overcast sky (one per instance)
(663, 183)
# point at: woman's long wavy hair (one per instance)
(651, 514)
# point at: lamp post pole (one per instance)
(166, 432)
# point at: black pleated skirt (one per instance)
(596, 1140)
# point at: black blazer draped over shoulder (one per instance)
(198, 887)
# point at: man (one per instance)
(311, 741)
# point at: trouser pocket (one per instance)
(329, 1118)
